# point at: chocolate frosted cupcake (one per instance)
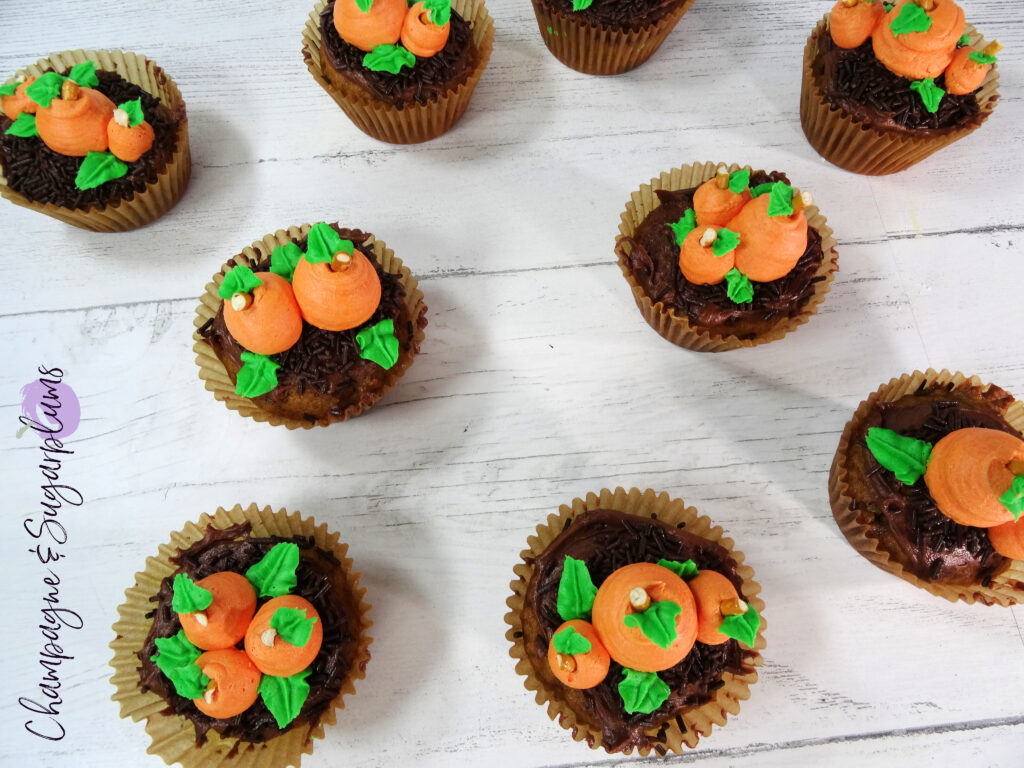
(928, 484)
(241, 638)
(308, 327)
(882, 90)
(721, 257)
(98, 139)
(635, 621)
(606, 37)
(402, 74)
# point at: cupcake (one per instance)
(308, 327)
(928, 484)
(98, 139)
(722, 257)
(402, 73)
(885, 86)
(241, 638)
(606, 37)
(635, 621)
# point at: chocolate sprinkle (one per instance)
(620, 14)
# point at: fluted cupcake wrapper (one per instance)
(414, 122)
(600, 50)
(159, 196)
(218, 381)
(854, 519)
(677, 328)
(173, 736)
(860, 148)
(699, 720)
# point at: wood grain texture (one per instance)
(538, 381)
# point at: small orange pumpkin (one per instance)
(711, 589)
(19, 102)
(234, 683)
(698, 262)
(963, 75)
(422, 36)
(278, 657)
(770, 246)
(225, 620)
(128, 142)
(580, 670)
(271, 322)
(339, 298)
(76, 126)
(1008, 539)
(381, 25)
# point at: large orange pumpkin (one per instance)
(76, 126)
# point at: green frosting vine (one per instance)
(24, 126)
(134, 110)
(684, 226)
(725, 242)
(658, 622)
(1013, 499)
(980, 57)
(581, 5)
(257, 376)
(98, 168)
(188, 597)
(241, 279)
(685, 570)
(929, 92)
(8, 89)
(388, 58)
(284, 260)
(84, 74)
(742, 627)
(576, 590)
(322, 242)
(440, 11)
(761, 189)
(780, 201)
(738, 287)
(912, 18)
(739, 180)
(284, 696)
(293, 626)
(45, 88)
(176, 658)
(274, 574)
(571, 642)
(642, 691)
(378, 344)
(905, 457)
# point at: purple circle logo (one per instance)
(50, 409)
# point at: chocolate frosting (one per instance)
(320, 581)
(44, 176)
(926, 542)
(620, 14)
(856, 82)
(654, 261)
(606, 540)
(428, 79)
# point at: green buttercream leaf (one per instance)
(378, 343)
(24, 126)
(293, 626)
(440, 11)
(84, 74)
(571, 642)
(257, 376)
(743, 627)
(738, 287)
(887, 6)
(980, 57)
(780, 203)
(685, 570)
(761, 189)
(8, 89)
(241, 279)
(284, 696)
(134, 110)
(323, 242)
(388, 58)
(912, 18)
(284, 259)
(684, 226)
(658, 622)
(905, 457)
(274, 574)
(642, 691)
(929, 92)
(99, 168)
(364, 5)
(176, 658)
(188, 597)
(964, 40)
(739, 180)
(45, 88)
(581, 5)
(725, 242)
(1013, 499)
(576, 591)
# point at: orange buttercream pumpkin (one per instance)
(968, 472)
(715, 207)
(280, 658)
(337, 300)
(1008, 539)
(422, 36)
(851, 25)
(963, 75)
(129, 143)
(710, 589)
(919, 55)
(235, 683)
(19, 102)
(699, 264)
(584, 670)
(381, 25)
(78, 126)
(629, 645)
(225, 620)
(770, 246)
(272, 323)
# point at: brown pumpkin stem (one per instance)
(241, 301)
(69, 90)
(566, 663)
(639, 599)
(341, 261)
(927, 5)
(1016, 466)
(992, 48)
(722, 177)
(850, 3)
(121, 118)
(733, 607)
(801, 200)
(709, 237)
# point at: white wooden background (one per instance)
(538, 381)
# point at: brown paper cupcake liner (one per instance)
(600, 50)
(173, 737)
(218, 381)
(860, 148)
(159, 196)
(415, 122)
(1008, 587)
(647, 504)
(676, 328)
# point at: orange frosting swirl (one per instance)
(272, 323)
(715, 207)
(919, 55)
(129, 143)
(851, 26)
(770, 246)
(280, 658)
(586, 669)
(1008, 539)
(76, 127)
(235, 683)
(710, 589)
(422, 36)
(19, 102)
(337, 300)
(963, 75)
(227, 617)
(699, 264)
(381, 25)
